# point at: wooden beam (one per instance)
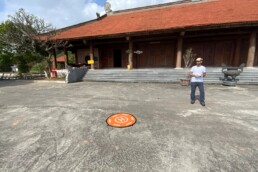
(179, 52)
(251, 51)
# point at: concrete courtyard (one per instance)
(47, 126)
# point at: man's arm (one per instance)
(191, 74)
(204, 72)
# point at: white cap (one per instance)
(199, 59)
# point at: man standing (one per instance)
(197, 73)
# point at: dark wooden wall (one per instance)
(231, 50)
(107, 55)
(216, 52)
(155, 54)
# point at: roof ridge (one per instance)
(197, 15)
(82, 23)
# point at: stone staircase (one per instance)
(164, 75)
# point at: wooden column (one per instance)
(130, 54)
(66, 57)
(179, 52)
(54, 59)
(91, 55)
(98, 65)
(236, 60)
(251, 51)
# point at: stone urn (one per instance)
(185, 81)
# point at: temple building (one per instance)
(220, 31)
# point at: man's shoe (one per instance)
(203, 103)
(192, 101)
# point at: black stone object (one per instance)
(230, 74)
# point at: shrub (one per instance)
(39, 67)
(5, 62)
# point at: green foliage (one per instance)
(6, 61)
(39, 67)
(23, 67)
(71, 57)
(6, 56)
(17, 45)
(20, 37)
(26, 61)
(60, 65)
(12, 39)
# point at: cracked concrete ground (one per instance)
(61, 127)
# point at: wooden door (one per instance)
(106, 58)
(224, 53)
(155, 55)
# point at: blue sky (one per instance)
(62, 13)
(100, 2)
(1, 5)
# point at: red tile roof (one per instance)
(207, 13)
(60, 59)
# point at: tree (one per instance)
(6, 60)
(6, 54)
(27, 34)
(37, 34)
(189, 57)
(15, 49)
(31, 29)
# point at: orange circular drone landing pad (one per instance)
(121, 120)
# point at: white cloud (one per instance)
(90, 10)
(62, 13)
(127, 4)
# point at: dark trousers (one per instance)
(201, 89)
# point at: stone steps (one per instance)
(249, 76)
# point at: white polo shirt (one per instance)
(198, 71)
